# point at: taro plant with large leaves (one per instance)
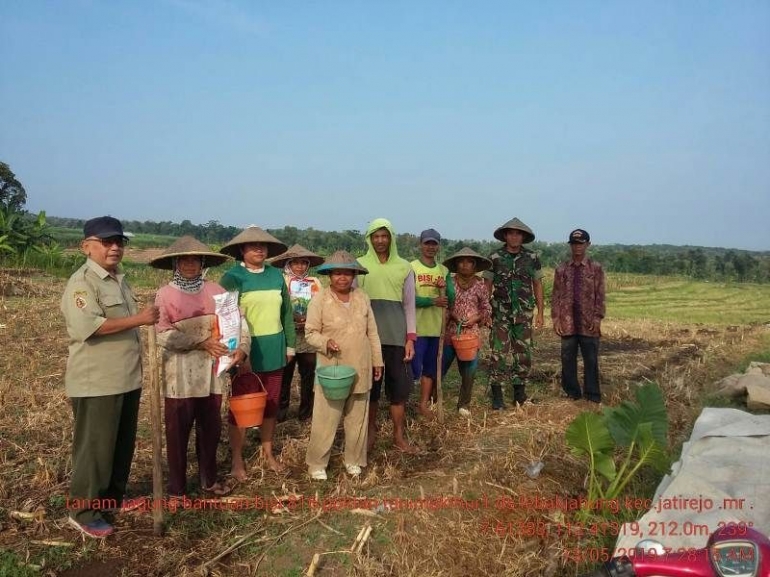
(620, 441)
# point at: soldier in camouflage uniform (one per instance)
(514, 281)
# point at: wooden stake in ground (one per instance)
(439, 360)
(157, 434)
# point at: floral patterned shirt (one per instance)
(469, 301)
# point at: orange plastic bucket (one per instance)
(249, 409)
(466, 346)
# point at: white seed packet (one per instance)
(228, 325)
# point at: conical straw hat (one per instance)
(297, 251)
(187, 246)
(515, 224)
(482, 263)
(253, 234)
(341, 260)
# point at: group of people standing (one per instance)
(379, 313)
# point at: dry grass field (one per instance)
(458, 508)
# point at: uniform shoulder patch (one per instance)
(80, 299)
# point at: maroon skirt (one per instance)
(247, 383)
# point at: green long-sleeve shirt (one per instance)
(265, 302)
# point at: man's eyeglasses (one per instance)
(108, 242)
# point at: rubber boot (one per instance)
(519, 395)
(497, 398)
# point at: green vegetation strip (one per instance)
(689, 302)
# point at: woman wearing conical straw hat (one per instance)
(264, 300)
(192, 390)
(340, 325)
(296, 263)
(469, 311)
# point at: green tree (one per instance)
(13, 197)
(20, 232)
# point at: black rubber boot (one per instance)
(497, 398)
(519, 395)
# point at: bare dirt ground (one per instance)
(131, 253)
(141, 255)
(458, 508)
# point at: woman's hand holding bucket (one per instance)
(332, 347)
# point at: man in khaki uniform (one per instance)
(104, 375)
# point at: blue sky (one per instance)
(642, 122)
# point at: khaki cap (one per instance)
(296, 251)
(253, 234)
(515, 224)
(187, 246)
(482, 262)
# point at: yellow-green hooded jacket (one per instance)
(391, 289)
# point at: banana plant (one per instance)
(5, 246)
(621, 441)
(41, 232)
(21, 232)
(52, 253)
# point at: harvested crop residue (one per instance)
(464, 506)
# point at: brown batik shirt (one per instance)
(577, 300)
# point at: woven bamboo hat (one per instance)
(253, 234)
(341, 260)
(187, 246)
(297, 251)
(482, 263)
(515, 224)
